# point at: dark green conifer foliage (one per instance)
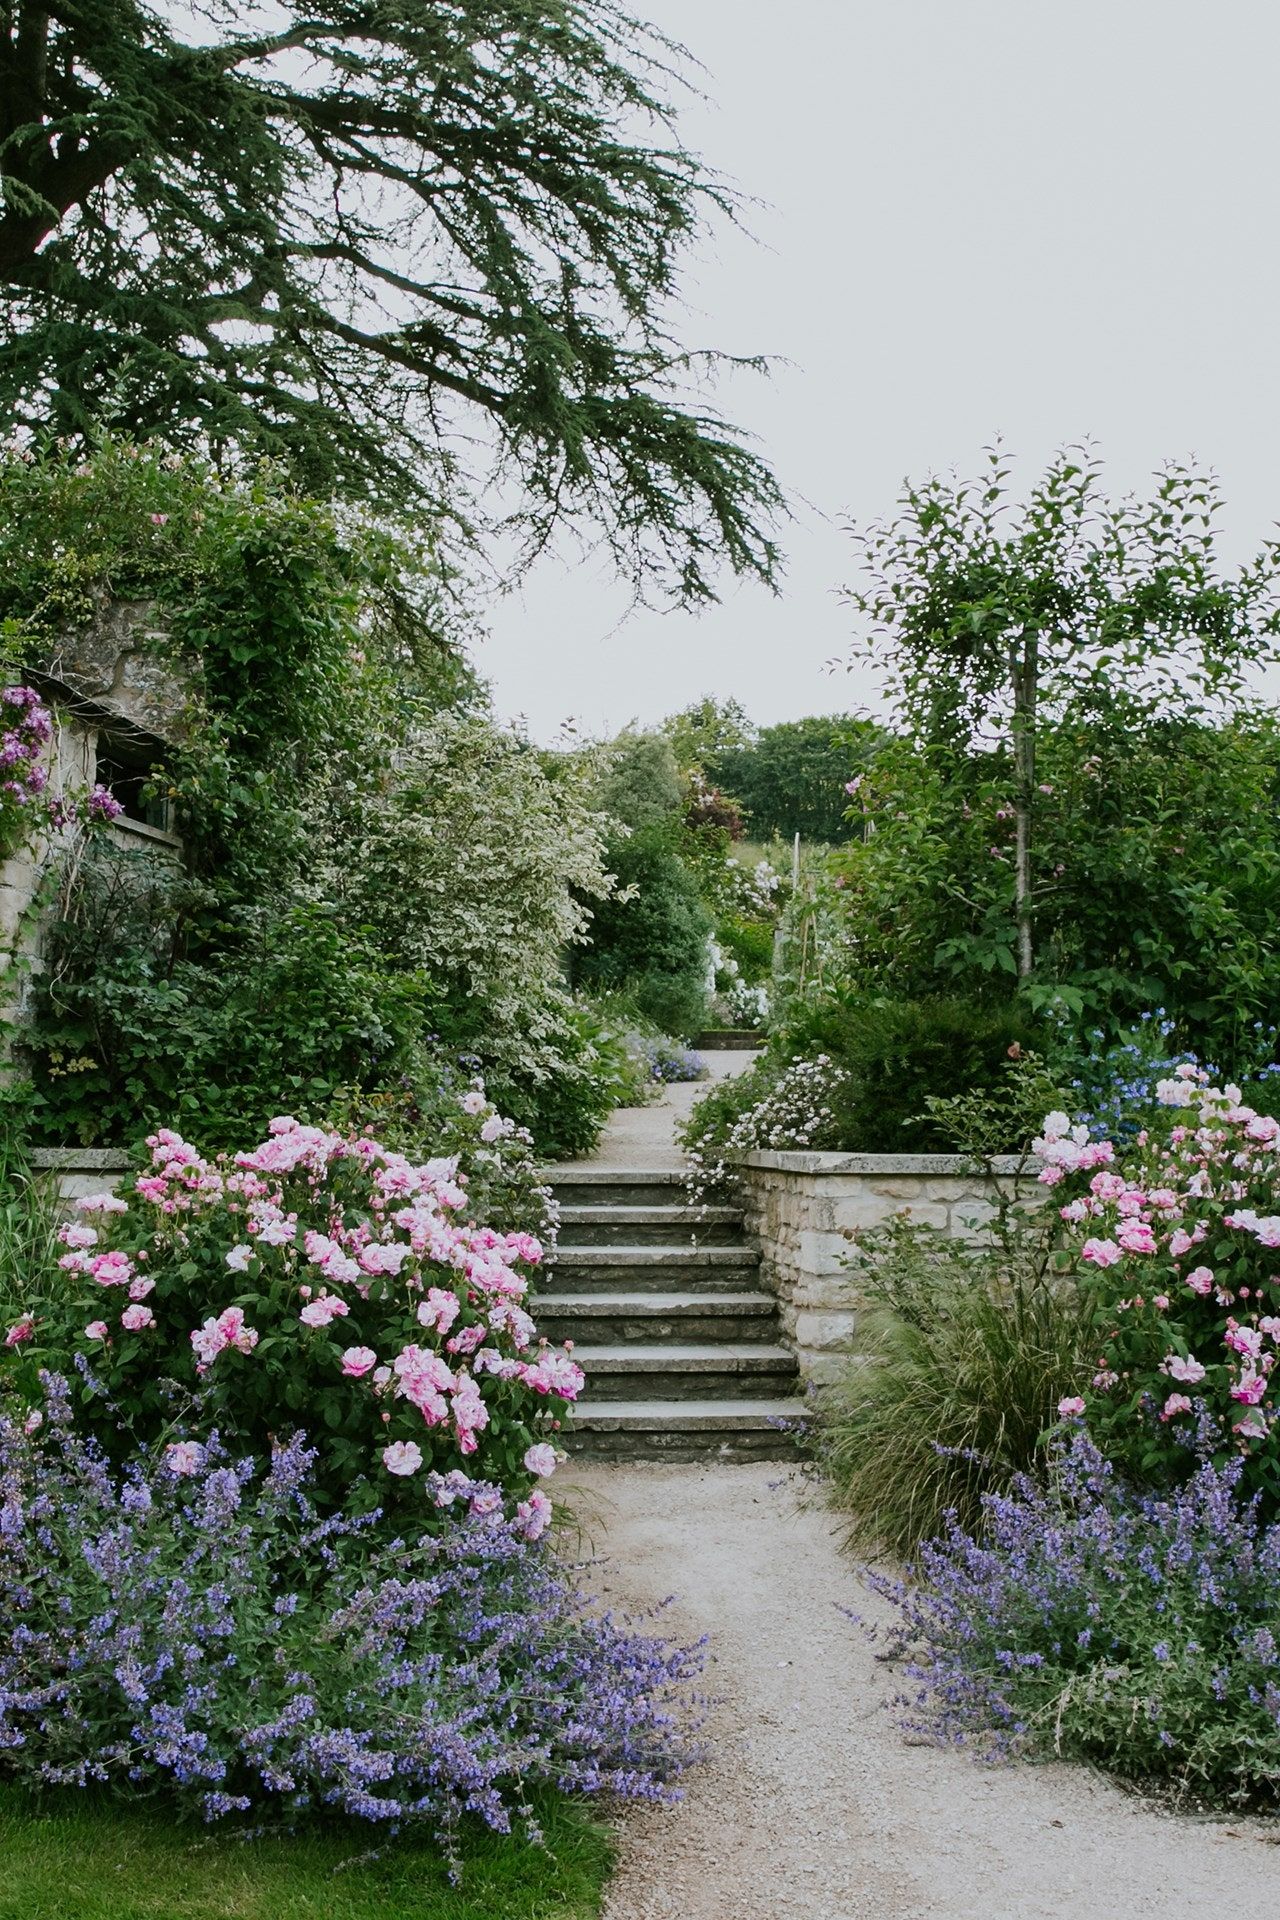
(411, 246)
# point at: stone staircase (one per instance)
(679, 1341)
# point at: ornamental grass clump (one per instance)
(318, 1279)
(1139, 1631)
(193, 1625)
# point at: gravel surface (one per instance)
(813, 1806)
(644, 1136)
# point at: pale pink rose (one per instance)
(1200, 1280)
(1102, 1253)
(140, 1287)
(78, 1236)
(473, 1102)
(1253, 1426)
(1245, 1340)
(184, 1457)
(1250, 1388)
(1180, 1242)
(541, 1459)
(33, 1422)
(1176, 1403)
(101, 1203)
(135, 1318)
(402, 1457)
(97, 1330)
(1071, 1407)
(534, 1514)
(439, 1310)
(238, 1259)
(23, 1329)
(357, 1361)
(318, 1313)
(1189, 1370)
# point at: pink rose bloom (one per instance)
(1102, 1253)
(1250, 1388)
(1162, 1302)
(1075, 1211)
(1268, 1231)
(439, 1310)
(1071, 1407)
(493, 1129)
(111, 1269)
(384, 1257)
(534, 1514)
(101, 1203)
(97, 1330)
(1135, 1236)
(1176, 1403)
(135, 1318)
(1200, 1280)
(541, 1459)
(1253, 1426)
(1245, 1340)
(78, 1236)
(318, 1313)
(473, 1102)
(1180, 1242)
(21, 1330)
(184, 1457)
(1188, 1370)
(402, 1457)
(357, 1361)
(141, 1286)
(238, 1259)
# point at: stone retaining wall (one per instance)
(799, 1207)
(81, 1170)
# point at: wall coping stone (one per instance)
(100, 1159)
(919, 1165)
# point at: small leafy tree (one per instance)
(791, 778)
(363, 236)
(994, 619)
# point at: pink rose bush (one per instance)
(317, 1281)
(1176, 1239)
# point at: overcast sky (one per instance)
(983, 216)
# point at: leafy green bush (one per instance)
(895, 1056)
(964, 1352)
(649, 940)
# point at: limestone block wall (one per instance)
(80, 1170)
(799, 1207)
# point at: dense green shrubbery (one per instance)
(369, 859)
(650, 943)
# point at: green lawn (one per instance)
(79, 1859)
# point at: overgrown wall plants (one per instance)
(376, 877)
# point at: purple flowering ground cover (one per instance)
(1138, 1631)
(190, 1631)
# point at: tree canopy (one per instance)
(420, 249)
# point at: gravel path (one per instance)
(812, 1806)
(645, 1136)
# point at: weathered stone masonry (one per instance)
(799, 1207)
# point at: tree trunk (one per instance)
(1025, 673)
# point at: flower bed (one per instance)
(319, 1279)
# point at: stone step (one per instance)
(683, 1317)
(737, 1370)
(598, 1226)
(652, 1269)
(685, 1430)
(588, 1186)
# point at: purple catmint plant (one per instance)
(1137, 1631)
(191, 1623)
